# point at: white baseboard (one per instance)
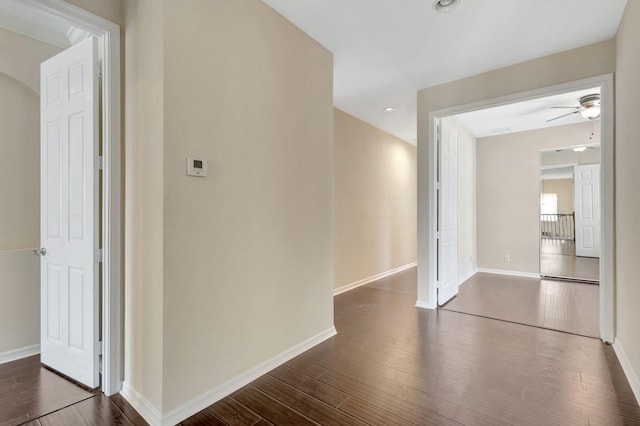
(373, 278)
(511, 273)
(632, 375)
(141, 405)
(466, 277)
(422, 305)
(19, 353)
(203, 401)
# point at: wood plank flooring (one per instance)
(28, 390)
(30, 394)
(558, 259)
(394, 364)
(557, 305)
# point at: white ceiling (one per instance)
(527, 115)
(385, 51)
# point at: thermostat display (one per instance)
(196, 167)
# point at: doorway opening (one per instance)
(516, 253)
(570, 211)
(60, 25)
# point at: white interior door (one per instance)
(587, 208)
(448, 215)
(69, 120)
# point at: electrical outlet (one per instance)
(507, 258)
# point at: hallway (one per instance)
(392, 363)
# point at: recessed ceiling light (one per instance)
(389, 109)
(580, 148)
(445, 6)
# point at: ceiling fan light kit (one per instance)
(591, 113)
(589, 108)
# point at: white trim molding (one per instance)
(423, 305)
(632, 375)
(373, 278)
(203, 401)
(141, 405)
(510, 273)
(16, 354)
(466, 277)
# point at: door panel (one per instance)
(69, 213)
(587, 207)
(448, 215)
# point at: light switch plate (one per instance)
(196, 167)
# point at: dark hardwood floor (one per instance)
(32, 395)
(28, 390)
(394, 364)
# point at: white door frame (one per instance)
(108, 35)
(607, 261)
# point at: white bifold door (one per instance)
(69, 118)
(448, 214)
(587, 209)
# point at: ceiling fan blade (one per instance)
(564, 107)
(571, 113)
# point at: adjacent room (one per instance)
(520, 217)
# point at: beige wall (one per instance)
(113, 10)
(20, 301)
(588, 61)
(144, 192)
(627, 178)
(228, 271)
(374, 201)
(19, 165)
(19, 215)
(20, 59)
(564, 189)
(509, 194)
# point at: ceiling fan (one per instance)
(589, 108)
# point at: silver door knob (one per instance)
(40, 252)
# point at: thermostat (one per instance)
(196, 167)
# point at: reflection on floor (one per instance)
(31, 395)
(28, 391)
(558, 259)
(394, 364)
(556, 305)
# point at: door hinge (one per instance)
(99, 70)
(99, 348)
(99, 255)
(100, 162)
